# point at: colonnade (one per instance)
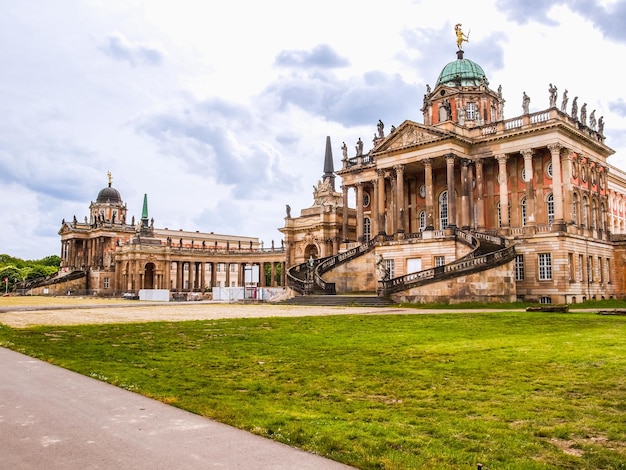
(192, 275)
(389, 205)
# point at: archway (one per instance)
(311, 252)
(148, 277)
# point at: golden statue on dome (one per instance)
(460, 35)
(110, 176)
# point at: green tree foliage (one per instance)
(17, 270)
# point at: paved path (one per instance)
(53, 418)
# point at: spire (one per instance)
(329, 169)
(144, 212)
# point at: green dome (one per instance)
(462, 72)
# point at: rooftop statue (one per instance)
(460, 35)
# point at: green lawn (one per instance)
(509, 390)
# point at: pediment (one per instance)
(409, 134)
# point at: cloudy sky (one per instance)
(219, 111)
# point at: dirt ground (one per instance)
(22, 313)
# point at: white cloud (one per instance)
(219, 112)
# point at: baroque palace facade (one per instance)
(469, 205)
(106, 255)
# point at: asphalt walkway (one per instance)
(53, 418)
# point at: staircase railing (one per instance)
(297, 274)
(497, 253)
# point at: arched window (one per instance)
(500, 216)
(523, 209)
(575, 209)
(594, 215)
(550, 202)
(585, 220)
(422, 220)
(367, 229)
(443, 210)
(602, 217)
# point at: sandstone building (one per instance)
(469, 205)
(107, 254)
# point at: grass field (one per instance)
(513, 390)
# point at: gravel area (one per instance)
(25, 316)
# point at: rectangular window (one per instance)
(570, 266)
(106, 282)
(519, 267)
(233, 267)
(590, 269)
(545, 266)
(413, 265)
(608, 270)
(600, 271)
(580, 268)
(471, 112)
(390, 268)
(440, 261)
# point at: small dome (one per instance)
(110, 195)
(462, 72)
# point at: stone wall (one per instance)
(494, 285)
(358, 275)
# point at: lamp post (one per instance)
(309, 275)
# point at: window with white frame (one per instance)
(585, 222)
(367, 229)
(443, 210)
(500, 215)
(422, 220)
(545, 266)
(390, 268)
(608, 270)
(575, 209)
(471, 112)
(519, 267)
(523, 207)
(550, 204)
(590, 268)
(440, 261)
(580, 268)
(600, 271)
(106, 282)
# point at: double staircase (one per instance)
(488, 251)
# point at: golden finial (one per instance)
(460, 36)
(110, 176)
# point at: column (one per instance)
(480, 192)
(374, 219)
(470, 185)
(465, 195)
(192, 276)
(180, 268)
(451, 190)
(430, 198)
(213, 274)
(504, 190)
(227, 282)
(202, 276)
(273, 273)
(167, 284)
(344, 225)
(557, 190)
(359, 212)
(566, 165)
(399, 198)
(381, 202)
(531, 206)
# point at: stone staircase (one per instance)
(340, 301)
